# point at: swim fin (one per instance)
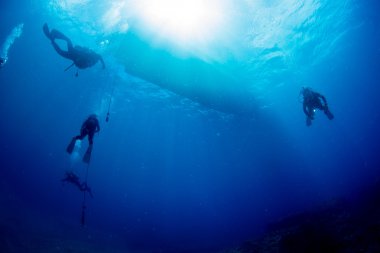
(71, 146)
(87, 155)
(55, 34)
(329, 115)
(45, 28)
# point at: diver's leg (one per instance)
(46, 31)
(309, 115)
(87, 156)
(78, 184)
(318, 105)
(329, 115)
(82, 135)
(326, 110)
(310, 109)
(55, 34)
(62, 53)
(91, 138)
(70, 147)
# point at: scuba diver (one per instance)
(89, 128)
(82, 57)
(311, 101)
(2, 61)
(71, 177)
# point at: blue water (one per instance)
(206, 143)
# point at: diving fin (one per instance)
(329, 115)
(71, 146)
(45, 28)
(55, 34)
(87, 155)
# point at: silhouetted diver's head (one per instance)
(93, 116)
(2, 61)
(305, 91)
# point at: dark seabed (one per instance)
(206, 147)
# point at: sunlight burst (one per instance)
(182, 21)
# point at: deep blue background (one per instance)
(168, 173)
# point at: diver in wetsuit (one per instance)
(89, 128)
(311, 101)
(72, 178)
(2, 61)
(82, 57)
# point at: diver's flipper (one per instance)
(45, 28)
(71, 146)
(329, 115)
(87, 155)
(55, 34)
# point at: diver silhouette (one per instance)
(82, 57)
(311, 101)
(71, 177)
(89, 127)
(2, 61)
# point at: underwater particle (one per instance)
(104, 43)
